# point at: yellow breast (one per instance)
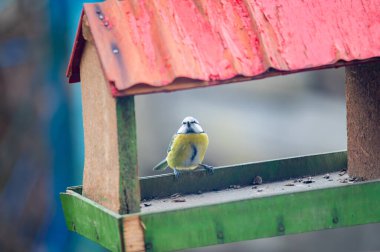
(187, 151)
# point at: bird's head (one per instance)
(190, 125)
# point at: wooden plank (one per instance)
(111, 173)
(91, 220)
(133, 234)
(127, 144)
(101, 166)
(363, 120)
(263, 217)
(242, 174)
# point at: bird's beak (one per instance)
(188, 124)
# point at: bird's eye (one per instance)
(193, 122)
(183, 122)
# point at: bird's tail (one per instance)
(161, 166)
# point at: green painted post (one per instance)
(127, 146)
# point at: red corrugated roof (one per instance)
(155, 42)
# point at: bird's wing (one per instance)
(171, 143)
(161, 166)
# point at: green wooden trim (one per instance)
(127, 142)
(232, 221)
(263, 217)
(77, 189)
(223, 177)
(242, 174)
(92, 220)
(250, 219)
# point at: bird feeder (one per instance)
(126, 48)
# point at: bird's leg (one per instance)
(208, 168)
(176, 173)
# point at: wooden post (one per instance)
(110, 175)
(127, 145)
(363, 120)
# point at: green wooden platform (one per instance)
(252, 218)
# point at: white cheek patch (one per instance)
(182, 129)
(197, 128)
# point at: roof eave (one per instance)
(73, 69)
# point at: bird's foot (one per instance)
(208, 168)
(176, 173)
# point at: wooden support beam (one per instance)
(363, 120)
(127, 144)
(110, 175)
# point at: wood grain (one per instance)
(363, 120)
(127, 146)
(133, 234)
(101, 168)
(110, 174)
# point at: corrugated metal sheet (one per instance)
(155, 42)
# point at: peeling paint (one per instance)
(213, 41)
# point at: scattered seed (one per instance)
(260, 190)
(331, 179)
(254, 187)
(360, 179)
(356, 179)
(176, 195)
(342, 173)
(257, 180)
(147, 204)
(289, 184)
(344, 181)
(179, 200)
(326, 176)
(234, 186)
(309, 180)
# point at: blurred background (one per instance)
(41, 134)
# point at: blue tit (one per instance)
(187, 148)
